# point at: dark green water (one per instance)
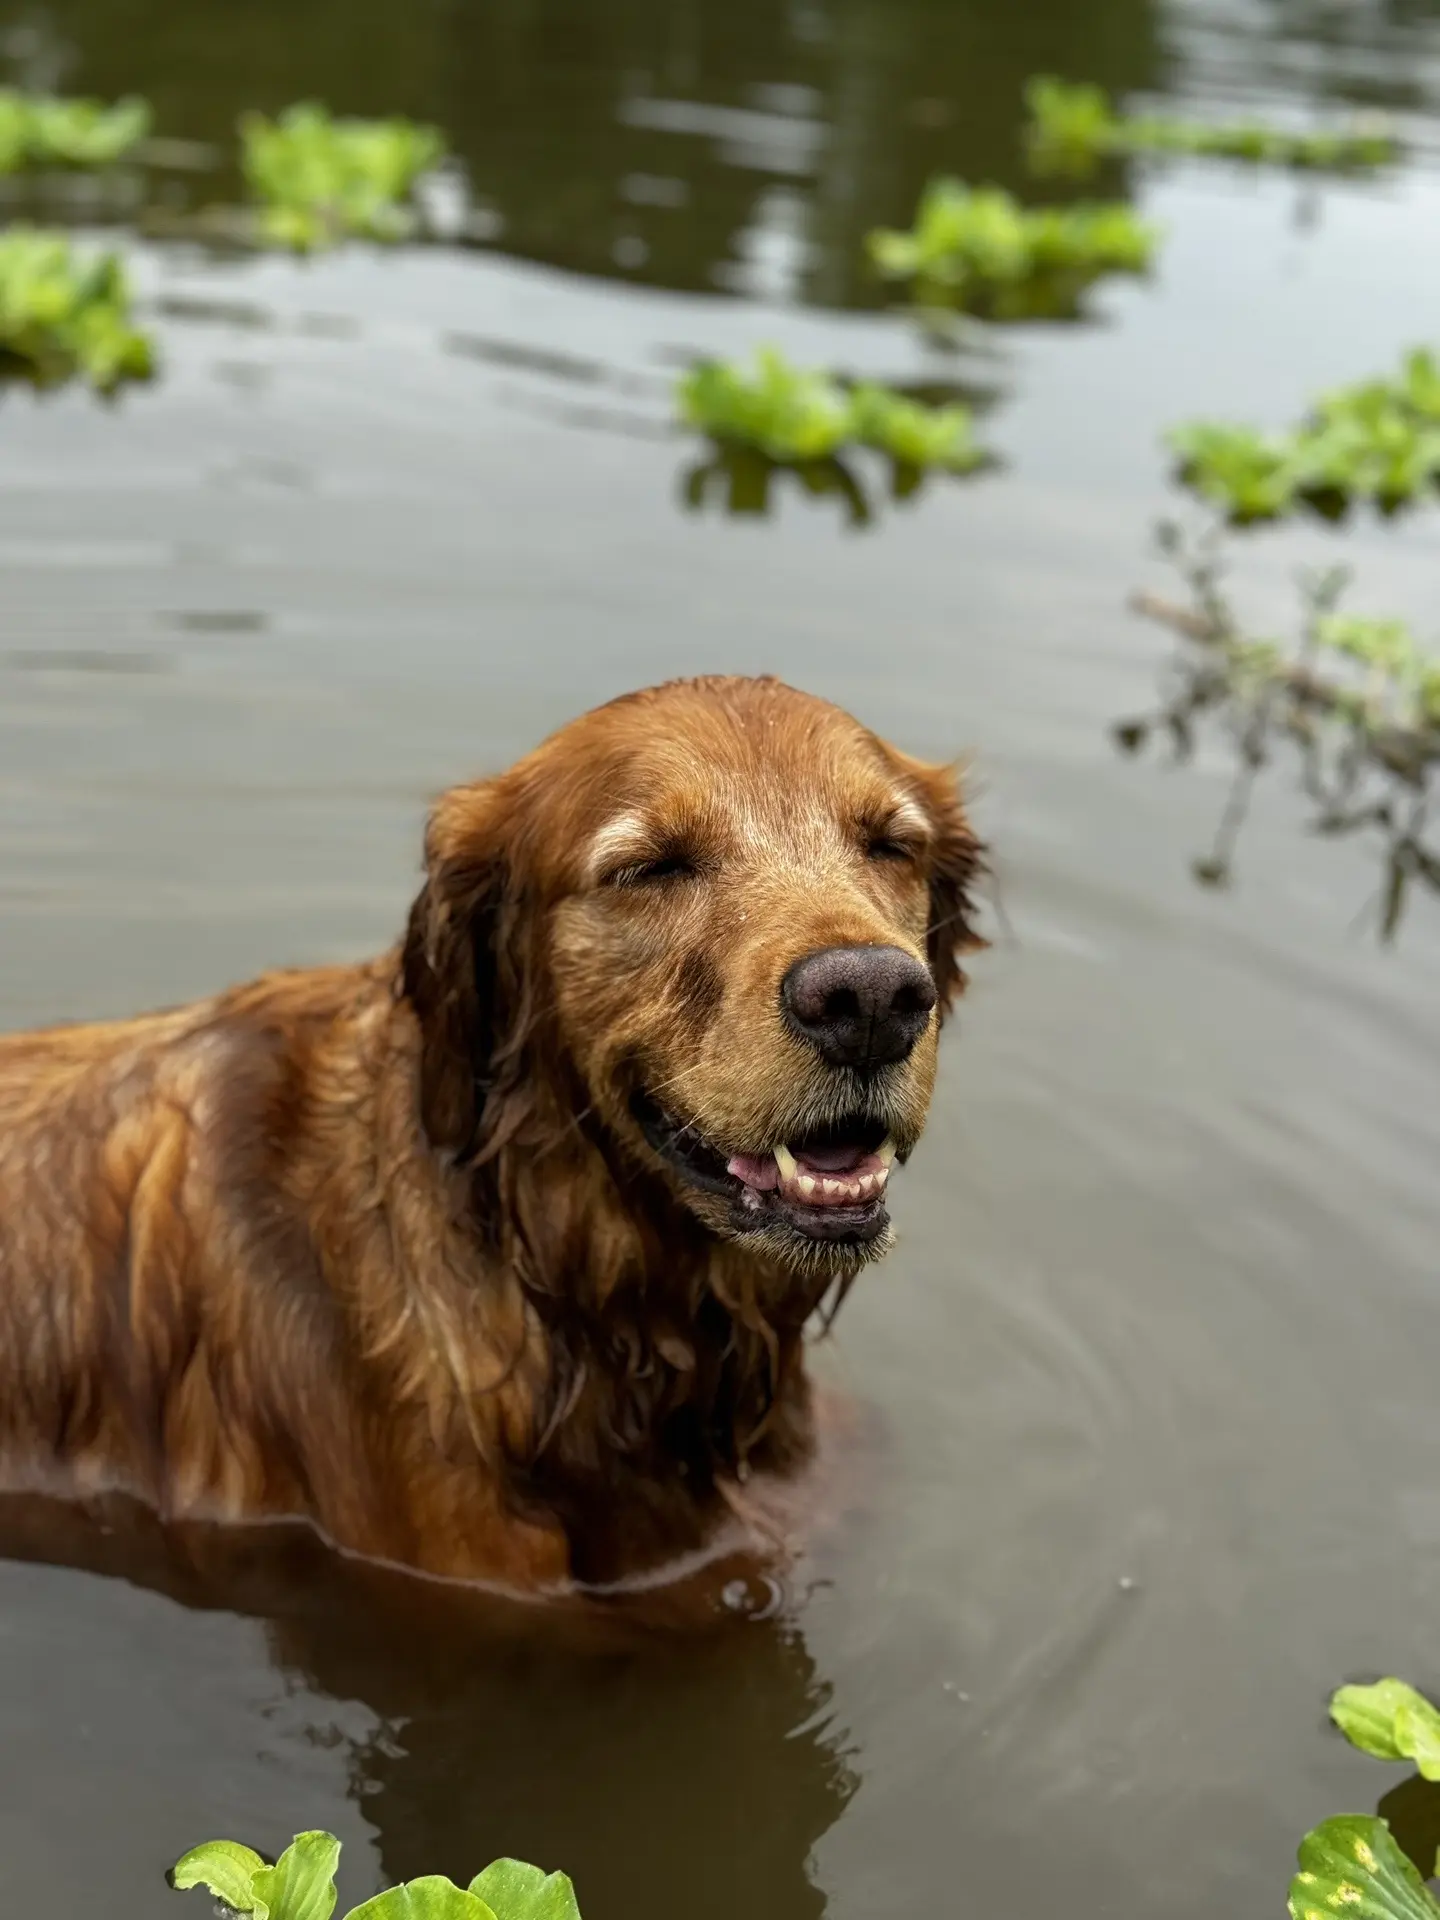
(1153, 1372)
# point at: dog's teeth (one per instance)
(841, 1190)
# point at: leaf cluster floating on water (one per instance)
(320, 180)
(1073, 126)
(979, 249)
(1375, 442)
(63, 315)
(43, 130)
(792, 415)
(301, 1886)
(1352, 1864)
(1356, 697)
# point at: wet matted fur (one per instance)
(442, 1252)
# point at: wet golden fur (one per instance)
(383, 1246)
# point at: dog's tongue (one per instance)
(757, 1170)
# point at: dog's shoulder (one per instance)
(223, 1095)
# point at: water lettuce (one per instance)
(43, 130)
(62, 315)
(1074, 125)
(792, 415)
(1351, 1865)
(978, 249)
(1376, 442)
(301, 1886)
(319, 180)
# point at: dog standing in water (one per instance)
(493, 1257)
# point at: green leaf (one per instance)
(227, 1869)
(1417, 1727)
(1391, 1721)
(301, 1884)
(1351, 1866)
(517, 1891)
(1366, 1717)
(431, 1898)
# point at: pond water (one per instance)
(1153, 1371)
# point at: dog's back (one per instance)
(88, 1131)
(206, 1294)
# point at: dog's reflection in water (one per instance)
(670, 1769)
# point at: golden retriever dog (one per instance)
(493, 1256)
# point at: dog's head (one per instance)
(724, 921)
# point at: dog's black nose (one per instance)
(860, 1007)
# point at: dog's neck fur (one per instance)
(581, 1330)
(673, 1361)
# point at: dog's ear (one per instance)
(957, 861)
(452, 968)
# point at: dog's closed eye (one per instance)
(899, 834)
(885, 847)
(662, 870)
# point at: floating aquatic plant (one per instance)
(1073, 126)
(1353, 1863)
(1246, 472)
(320, 180)
(39, 130)
(786, 412)
(792, 415)
(301, 1886)
(977, 248)
(63, 315)
(1378, 441)
(1357, 698)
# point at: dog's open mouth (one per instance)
(828, 1184)
(813, 1173)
